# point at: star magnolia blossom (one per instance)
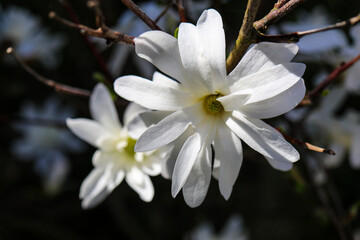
(115, 159)
(220, 108)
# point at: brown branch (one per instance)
(110, 35)
(58, 87)
(324, 84)
(295, 36)
(138, 12)
(246, 37)
(98, 57)
(306, 145)
(276, 13)
(169, 5)
(181, 10)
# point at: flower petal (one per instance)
(132, 111)
(102, 108)
(168, 129)
(277, 105)
(165, 81)
(262, 138)
(88, 130)
(185, 162)
(235, 100)
(161, 49)
(141, 184)
(263, 56)
(198, 181)
(228, 151)
(149, 94)
(279, 165)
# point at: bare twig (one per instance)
(246, 37)
(110, 35)
(58, 87)
(98, 57)
(331, 78)
(169, 5)
(276, 13)
(138, 12)
(181, 10)
(295, 36)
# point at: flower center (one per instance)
(129, 149)
(212, 105)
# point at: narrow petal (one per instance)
(141, 184)
(228, 151)
(88, 130)
(165, 81)
(185, 162)
(277, 105)
(168, 129)
(102, 108)
(149, 94)
(263, 56)
(235, 100)
(132, 111)
(198, 181)
(262, 138)
(279, 165)
(161, 49)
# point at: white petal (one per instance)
(149, 94)
(141, 184)
(132, 111)
(197, 184)
(88, 130)
(262, 138)
(235, 100)
(165, 81)
(102, 108)
(161, 49)
(185, 162)
(276, 105)
(279, 165)
(228, 151)
(271, 82)
(263, 56)
(168, 129)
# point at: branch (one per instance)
(331, 78)
(110, 35)
(295, 36)
(276, 13)
(246, 37)
(181, 10)
(169, 5)
(58, 87)
(138, 12)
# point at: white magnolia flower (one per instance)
(233, 230)
(220, 108)
(115, 158)
(23, 31)
(46, 144)
(130, 24)
(341, 134)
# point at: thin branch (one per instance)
(169, 5)
(295, 36)
(246, 37)
(110, 35)
(58, 87)
(324, 84)
(98, 57)
(181, 10)
(276, 13)
(138, 12)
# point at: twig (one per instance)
(306, 145)
(110, 35)
(181, 10)
(169, 5)
(332, 77)
(246, 37)
(98, 57)
(138, 12)
(58, 87)
(295, 36)
(276, 13)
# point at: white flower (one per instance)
(115, 158)
(130, 24)
(45, 143)
(23, 31)
(220, 108)
(233, 230)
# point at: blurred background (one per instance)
(42, 165)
